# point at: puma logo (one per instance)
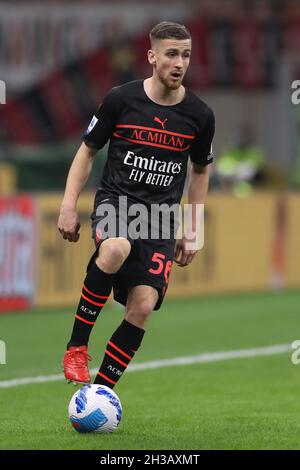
(162, 123)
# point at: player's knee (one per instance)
(141, 312)
(112, 254)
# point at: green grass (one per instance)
(234, 404)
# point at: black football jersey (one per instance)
(150, 143)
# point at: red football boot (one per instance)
(75, 364)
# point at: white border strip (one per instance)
(176, 361)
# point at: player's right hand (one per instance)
(68, 224)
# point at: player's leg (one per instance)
(97, 287)
(127, 338)
(140, 304)
(95, 292)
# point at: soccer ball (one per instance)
(95, 408)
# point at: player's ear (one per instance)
(151, 57)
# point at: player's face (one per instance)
(170, 59)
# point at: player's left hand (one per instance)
(183, 256)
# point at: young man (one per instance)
(153, 126)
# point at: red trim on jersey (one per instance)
(143, 142)
(131, 126)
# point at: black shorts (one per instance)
(149, 262)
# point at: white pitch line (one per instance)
(176, 361)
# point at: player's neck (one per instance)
(160, 94)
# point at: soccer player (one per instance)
(154, 126)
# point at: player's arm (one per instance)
(197, 191)
(94, 138)
(201, 157)
(68, 221)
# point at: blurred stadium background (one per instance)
(57, 60)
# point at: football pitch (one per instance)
(224, 401)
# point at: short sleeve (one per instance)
(201, 149)
(103, 122)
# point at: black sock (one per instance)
(119, 351)
(95, 292)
